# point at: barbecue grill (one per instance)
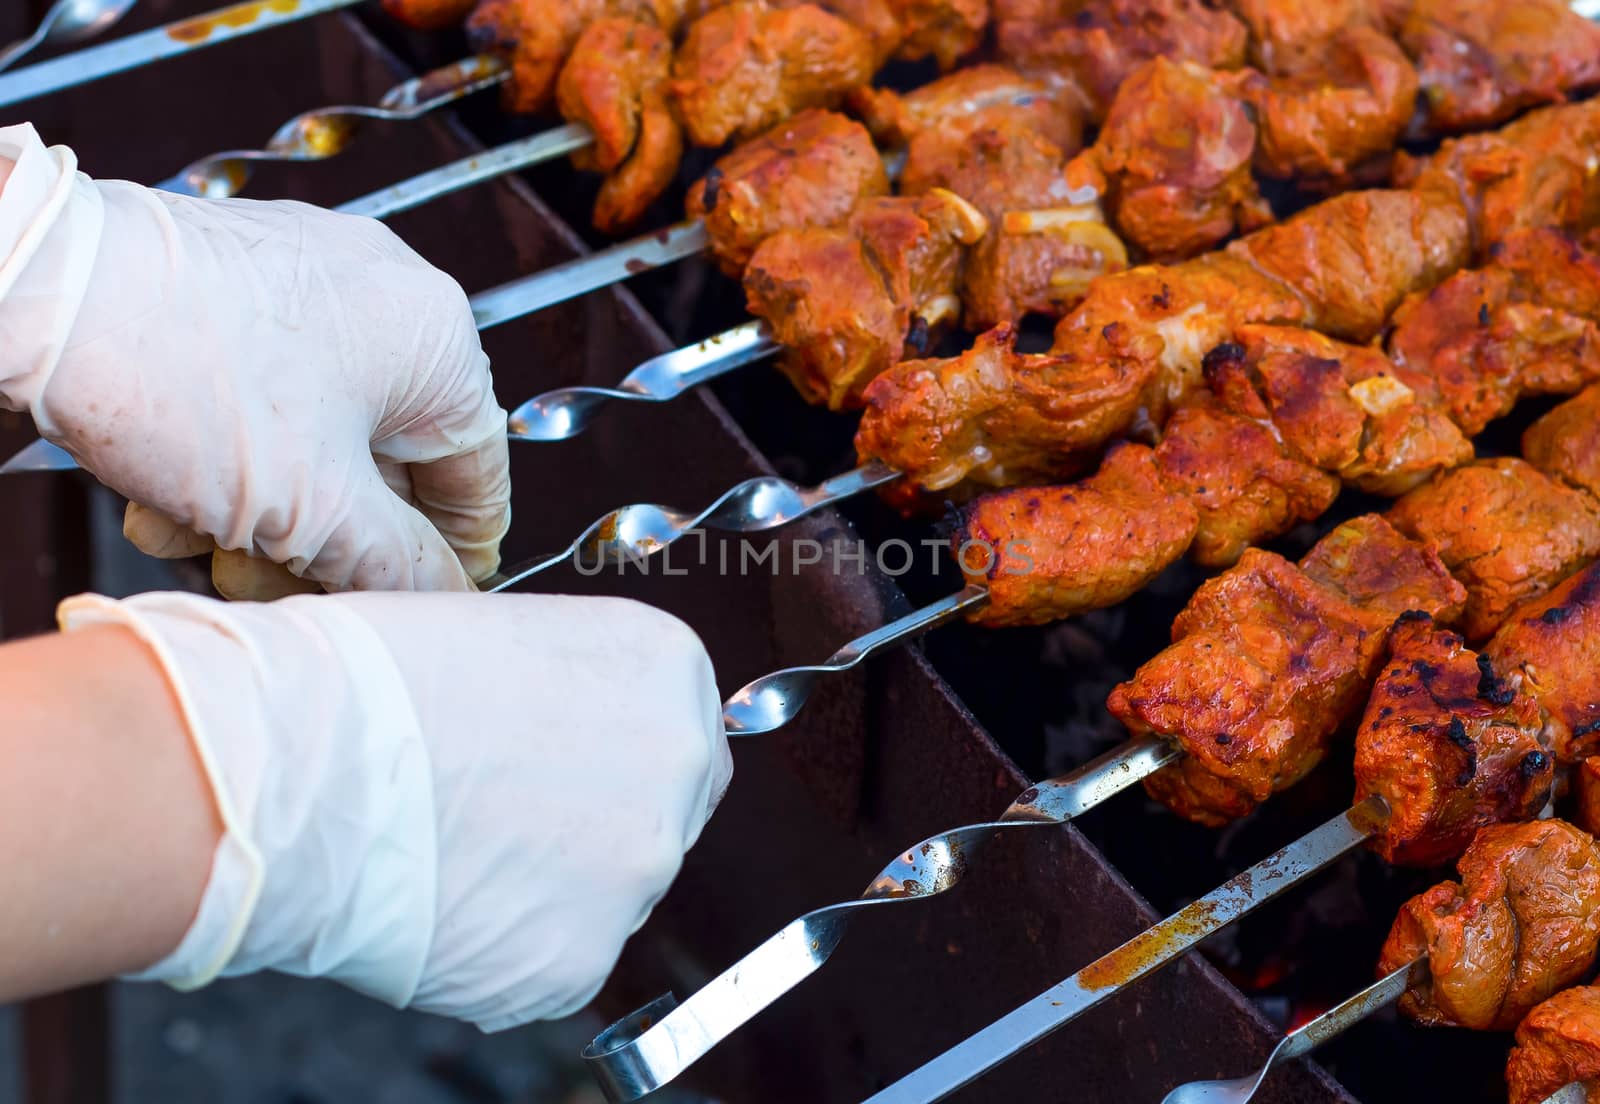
(916, 742)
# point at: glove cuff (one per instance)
(314, 754)
(51, 218)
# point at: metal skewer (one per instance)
(1333, 1022)
(67, 21)
(644, 1051)
(631, 534)
(156, 44)
(327, 131)
(1144, 954)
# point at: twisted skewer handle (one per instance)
(649, 1048)
(67, 21)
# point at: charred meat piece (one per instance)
(1522, 922)
(1482, 61)
(1565, 443)
(1285, 34)
(970, 99)
(1450, 750)
(1044, 244)
(1051, 552)
(1269, 659)
(1506, 530)
(1338, 107)
(429, 15)
(1173, 158)
(1095, 44)
(614, 83)
(1521, 325)
(845, 302)
(1557, 1043)
(1345, 409)
(809, 171)
(1550, 649)
(747, 66)
(535, 36)
(1244, 483)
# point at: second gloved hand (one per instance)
(288, 382)
(458, 803)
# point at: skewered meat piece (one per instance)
(1284, 33)
(1448, 745)
(809, 171)
(1522, 923)
(1550, 649)
(1557, 1043)
(966, 100)
(1586, 785)
(1342, 408)
(1482, 61)
(1173, 158)
(1052, 552)
(429, 15)
(1522, 325)
(1565, 443)
(535, 36)
(1506, 530)
(1096, 44)
(1269, 658)
(1045, 243)
(614, 83)
(945, 30)
(846, 302)
(747, 66)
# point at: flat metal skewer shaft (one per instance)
(1142, 955)
(183, 37)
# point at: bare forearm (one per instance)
(107, 827)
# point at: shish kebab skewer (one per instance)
(67, 21)
(1323, 624)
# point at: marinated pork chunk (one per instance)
(945, 30)
(1506, 530)
(1557, 1043)
(846, 303)
(810, 171)
(1585, 783)
(1051, 552)
(1285, 34)
(1521, 325)
(1522, 923)
(747, 66)
(614, 83)
(1095, 44)
(1450, 747)
(1565, 443)
(969, 99)
(1482, 61)
(1269, 659)
(1550, 649)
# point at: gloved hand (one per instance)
(252, 372)
(459, 803)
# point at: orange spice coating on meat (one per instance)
(809, 171)
(429, 15)
(1522, 922)
(969, 99)
(1565, 442)
(1550, 649)
(1449, 746)
(1557, 1043)
(1506, 530)
(1269, 658)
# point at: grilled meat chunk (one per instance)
(1173, 157)
(1557, 1043)
(1051, 552)
(1521, 325)
(1506, 530)
(1284, 34)
(1585, 780)
(1550, 649)
(1565, 442)
(1245, 485)
(1450, 749)
(1342, 408)
(747, 66)
(614, 83)
(1482, 61)
(809, 171)
(945, 30)
(845, 302)
(1096, 44)
(969, 99)
(1522, 922)
(1269, 659)
(429, 15)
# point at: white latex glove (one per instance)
(459, 803)
(243, 369)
